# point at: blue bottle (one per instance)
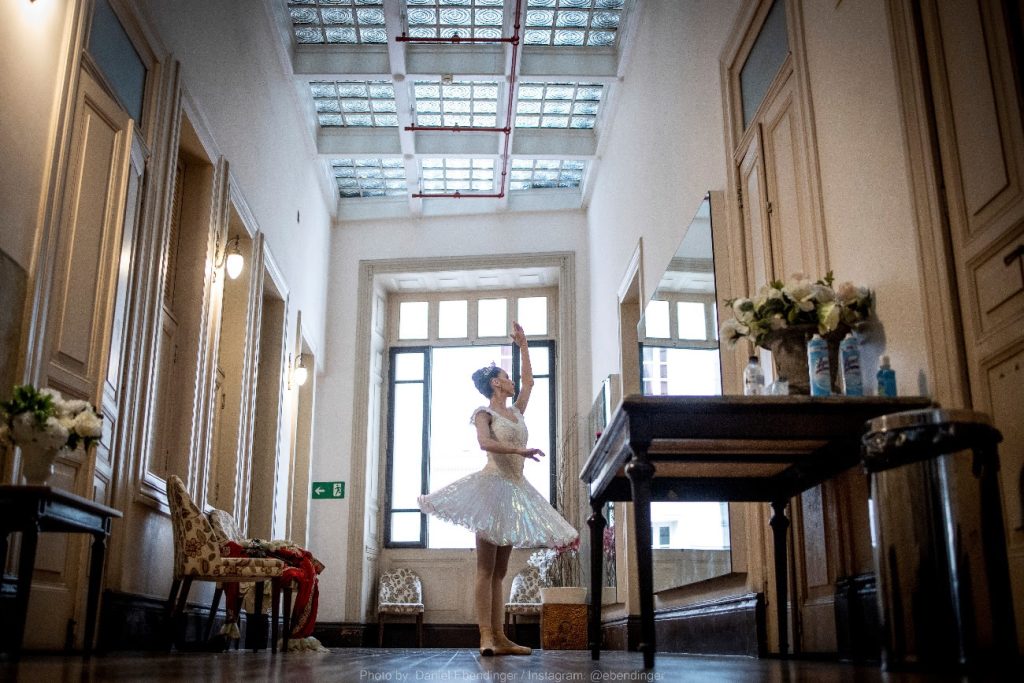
(849, 355)
(818, 366)
(886, 379)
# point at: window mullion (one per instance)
(425, 460)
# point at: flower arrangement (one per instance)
(45, 419)
(796, 302)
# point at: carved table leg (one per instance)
(780, 524)
(640, 473)
(29, 540)
(597, 523)
(99, 549)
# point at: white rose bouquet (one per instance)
(796, 302)
(44, 418)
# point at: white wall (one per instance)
(251, 108)
(664, 151)
(868, 215)
(520, 233)
(656, 167)
(33, 41)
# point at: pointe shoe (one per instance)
(488, 650)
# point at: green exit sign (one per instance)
(328, 489)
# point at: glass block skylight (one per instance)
(354, 103)
(442, 175)
(527, 174)
(445, 18)
(471, 104)
(558, 105)
(572, 23)
(369, 177)
(338, 21)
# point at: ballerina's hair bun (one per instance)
(482, 379)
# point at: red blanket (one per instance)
(302, 569)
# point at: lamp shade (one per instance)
(300, 374)
(234, 265)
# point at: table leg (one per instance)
(597, 523)
(780, 524)
(26, 563)
(99, 550)
(640, 473)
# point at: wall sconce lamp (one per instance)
(299, 372)
(231, 259)
(235, 260)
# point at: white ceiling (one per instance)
(401, 65)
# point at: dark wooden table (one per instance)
(38, 509)
(719, 448)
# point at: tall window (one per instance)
(437, 342)
(680, 347)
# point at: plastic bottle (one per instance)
(753, 378)
(886, 379)
(779, 387)
(818, 366)
(849, 355)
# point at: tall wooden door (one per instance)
(971, 50)
(77, 342)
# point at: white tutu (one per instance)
(497, 502)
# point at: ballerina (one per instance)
(498, 503)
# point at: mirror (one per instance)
(608, 398)
(678, 335)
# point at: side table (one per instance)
(38, 509)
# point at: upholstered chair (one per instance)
(198, 557)
(400, 593)
(524, 598)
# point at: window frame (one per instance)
(396, 346)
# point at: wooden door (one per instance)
(971, 48)
(754, 206)
(77, 340)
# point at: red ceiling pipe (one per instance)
(460, 129)
(507, 130)
(458, 195)
(456, 39)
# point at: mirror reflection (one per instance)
(679, 356)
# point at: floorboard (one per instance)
(370, 665)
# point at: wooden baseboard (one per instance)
(729, 626)
(403, 634)
(733, 625)
(139, 623)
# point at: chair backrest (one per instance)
(224, 526)
(400, 585)
(526, 586)
(195, 545)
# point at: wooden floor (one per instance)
(441, 665)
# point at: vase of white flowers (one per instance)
(44, 424)
(783, 316)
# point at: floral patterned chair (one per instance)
(524, 598)
(400, 593)
(225, 529)
(198, 557)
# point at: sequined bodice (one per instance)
(511, 432)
